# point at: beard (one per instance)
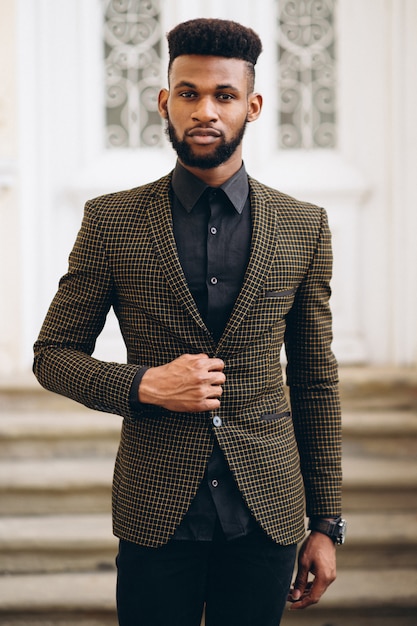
(218, 156)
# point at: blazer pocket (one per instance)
(280, 294)
(273, 417)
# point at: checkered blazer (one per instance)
(282, 458)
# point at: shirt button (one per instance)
(213, 280)
(217, 421)
(213, 230)
(215, 483)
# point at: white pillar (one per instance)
(10, 248)
(403, 185)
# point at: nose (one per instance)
(205, 110)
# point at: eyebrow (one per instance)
(185, 83)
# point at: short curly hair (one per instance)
(215, 37)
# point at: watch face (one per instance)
(341, 534)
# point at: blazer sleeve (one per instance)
(313, 380)
(63, 362)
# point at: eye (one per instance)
(225, 96)
(187, 94)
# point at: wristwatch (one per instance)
(334, 528)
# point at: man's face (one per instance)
(207, 109)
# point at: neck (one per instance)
(218, 175)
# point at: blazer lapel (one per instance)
(263, 249)
(160, 221)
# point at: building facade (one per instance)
(78, 118)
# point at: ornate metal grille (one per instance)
(307, 73)
(132, 40)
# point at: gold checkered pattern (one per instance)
(125, 257)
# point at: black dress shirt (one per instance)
(212, 229)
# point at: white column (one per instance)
(10, 248)
(378, 100)
(403, 185)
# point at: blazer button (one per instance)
(217, 421)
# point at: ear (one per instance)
(163, 103)
(255, 101)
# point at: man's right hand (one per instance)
(191, 383)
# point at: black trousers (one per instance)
(243, 582)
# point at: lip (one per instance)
(203, 136)
(200, 131)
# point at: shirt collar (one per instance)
(189, 189)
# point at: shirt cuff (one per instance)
(134, 401)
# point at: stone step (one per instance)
(378, 485)
(48, 434)
(57, 543)
(28, 434)
(357, 598)
(55, 486)
(385, 540)
(375, 433)
(380, 388)
(59, 486)
(82, 599)
(63, 543)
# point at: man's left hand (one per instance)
(318, 556)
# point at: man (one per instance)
(209, 272)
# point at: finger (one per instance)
(297, 594)
(216, 365)
(217, 379)
(300, 583)
(312, 594)
(214, 391)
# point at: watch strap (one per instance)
(333, 528)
